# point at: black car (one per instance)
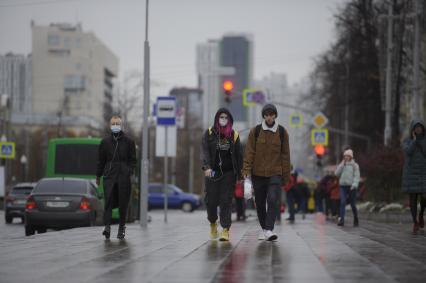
(15, 201)
(62, 203)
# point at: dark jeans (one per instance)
(334, 207)
(291, 200)
(346, 192)
(267, 191)
(240, 207)
(320, 198)
(413, 206)
(219, 193)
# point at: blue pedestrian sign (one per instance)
(296, 120)
(166, 110)
(7, 150)
(319, 137)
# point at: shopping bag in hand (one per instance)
(248, 188)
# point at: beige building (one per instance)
(72, 78)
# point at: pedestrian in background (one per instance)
(349, 175)
(333, 189)
(222, 161)
(291, 193)
(116, 163)
(267, 163)
(240, 202)
(414, 171)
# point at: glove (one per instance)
(248, 188)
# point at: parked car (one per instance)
(176, 198)
(62, 203)
(15, 201)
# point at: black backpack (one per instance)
(257, 132)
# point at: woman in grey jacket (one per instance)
(348, 173)
(414, 171)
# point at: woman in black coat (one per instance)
(116, 163)
(414, 171)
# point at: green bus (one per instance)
(77, 158)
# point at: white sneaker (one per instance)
(261, 236)
(270, 236)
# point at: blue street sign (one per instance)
(166, 110)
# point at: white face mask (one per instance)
(115, 128)
(223, 121)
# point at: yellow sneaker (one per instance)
(213, 231)
(224, 236)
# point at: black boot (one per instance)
(107, 232)
(356, 222)
(341, 222)
(121, 232)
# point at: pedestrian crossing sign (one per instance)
(296, 120)
(7, 150)
(319, 137)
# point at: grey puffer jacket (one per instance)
(348, 173)
(414, 171)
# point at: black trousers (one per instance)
(267, 196)
(219, 193)
(240, 206)
(413, 206)
(117, 193)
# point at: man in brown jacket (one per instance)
(267, 163)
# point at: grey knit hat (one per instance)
(269, 107)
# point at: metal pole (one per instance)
(347, 106)
(388, 102)
(166, 129)
(191, 169)
(417, 100)
(145, 161)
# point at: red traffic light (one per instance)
(228, 85)
(319, 150)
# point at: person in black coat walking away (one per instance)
(116, 163)
(221, 156)
(414, 171)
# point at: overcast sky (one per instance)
(287, 34)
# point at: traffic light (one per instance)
(228, 86)
(319, 151)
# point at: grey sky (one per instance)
(287, 33)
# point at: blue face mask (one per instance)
(115, 129)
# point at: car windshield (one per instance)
(61, 186)
(22, 190)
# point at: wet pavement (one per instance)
(310, 250)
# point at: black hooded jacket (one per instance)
(209, 146)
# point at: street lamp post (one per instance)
(24, 162)
(145, 162)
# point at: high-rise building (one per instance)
(72, 77)
(15, 82)
(236, 52)
(209, 78)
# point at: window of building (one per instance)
(74, 83)
(53, 40)
(67, 42)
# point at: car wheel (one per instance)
(187, 207)
(29, 230)
(41, 230)
(8, 219)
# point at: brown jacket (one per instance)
(266, 158)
